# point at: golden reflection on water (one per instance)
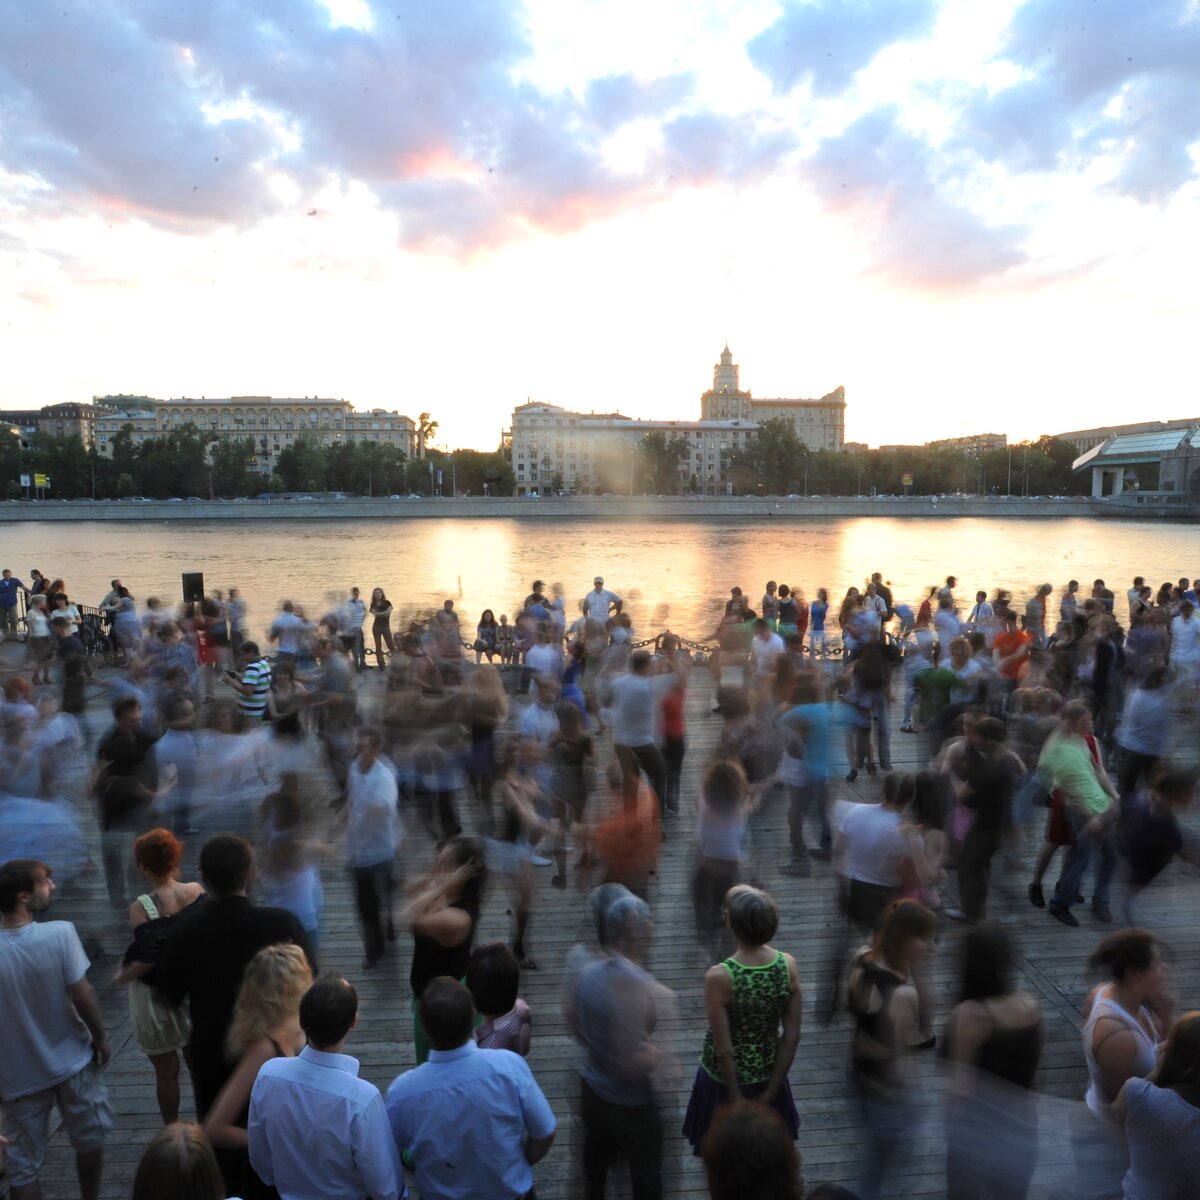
(673, 573)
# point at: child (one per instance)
(493, 978)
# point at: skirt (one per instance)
(158, 1026)
(708, 1095)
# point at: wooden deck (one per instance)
(1052, 962)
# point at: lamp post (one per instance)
(806, 474)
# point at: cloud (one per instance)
(827, 42)
(901, 192)
(1101, 80)
(189, 116)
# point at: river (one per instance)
(674, 574)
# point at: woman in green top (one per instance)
(754, 1007)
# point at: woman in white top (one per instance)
(1161, 1116)
(1125, 1022)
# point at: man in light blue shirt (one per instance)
(317, 1131)
(472, 1121)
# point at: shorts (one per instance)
(86, 1114)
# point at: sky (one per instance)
(976, 217)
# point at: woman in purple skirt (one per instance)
(754, 1007)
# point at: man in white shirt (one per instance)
(981, 613)
(473, 1121)
(316, 1129)
(599, 602)
(373, 837)
(544, 657)
(287, 629)
(636, 698)
(1185, 641)
(353, 615)
(52, 1039)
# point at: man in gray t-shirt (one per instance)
(52, 1038)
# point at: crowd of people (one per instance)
(238, 774)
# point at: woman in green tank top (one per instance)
(754, 1007)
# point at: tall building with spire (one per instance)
(819, 424)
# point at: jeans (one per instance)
(358, 651)
(802, 798)
(373, 887)
(8, 619)
(975, 868)
(616, 1131)
(1102, 843)
(876, 701)
(674, 749)
(120, 872)
(886, 1127)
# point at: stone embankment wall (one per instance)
(594, 507)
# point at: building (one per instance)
(975, 443)
(594, 453)
(1084, 439)
(1163, 463)
(819, 424)
(270, 423)
(56, 420)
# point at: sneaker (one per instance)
(907, 729)
(853, 775)
(797, 868)
(538, 861)
(1065, 915)
(558, 881)
(1102, 911)
(1036, 898)
(820, 854)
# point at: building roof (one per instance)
(1131, 449)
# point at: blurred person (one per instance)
(38, 643)
(723, 811)
(374, 834)
(636, 698)
(289, 630)
(1126, 1018)
(627, 843)
(473, 1122)
(1185, 642)
(179, 1163)
(205, 958)
(749, 1154)
(819, 615)
(485, 705)
(354, 613)
(290, 863)
(1150, 835)
(160, 1028)
(994, 1041)
(807, 718)
(614, 1014)
(125, 786)
(884, 1003)
(314, 1127)
(755, 1006)
(442, 912)
(1145, 730)
(494, 978)
(922, 872)
(1161, 1118)
(868, 851)
(265, 1025)
(52, 1038)
(1070, 765)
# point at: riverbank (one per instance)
(607, 508)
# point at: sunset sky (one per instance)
(977, 216)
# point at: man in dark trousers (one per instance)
(208, 952)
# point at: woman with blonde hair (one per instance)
(266, 1025)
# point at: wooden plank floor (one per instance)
(1052, 963)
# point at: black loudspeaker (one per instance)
(193, 587)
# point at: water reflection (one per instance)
(672, 573)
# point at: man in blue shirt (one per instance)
(315, 1128)
(9, 587)
(473, 1122)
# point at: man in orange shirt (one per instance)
(1010, 651)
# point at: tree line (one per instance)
(188, 462)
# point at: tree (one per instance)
(303, 466)
(426, 428)
(229, 460)
(662, 461)
(474, 469)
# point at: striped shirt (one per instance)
(256, 675)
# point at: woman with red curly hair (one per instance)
(160, 1029)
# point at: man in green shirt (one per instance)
(1067, 764)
